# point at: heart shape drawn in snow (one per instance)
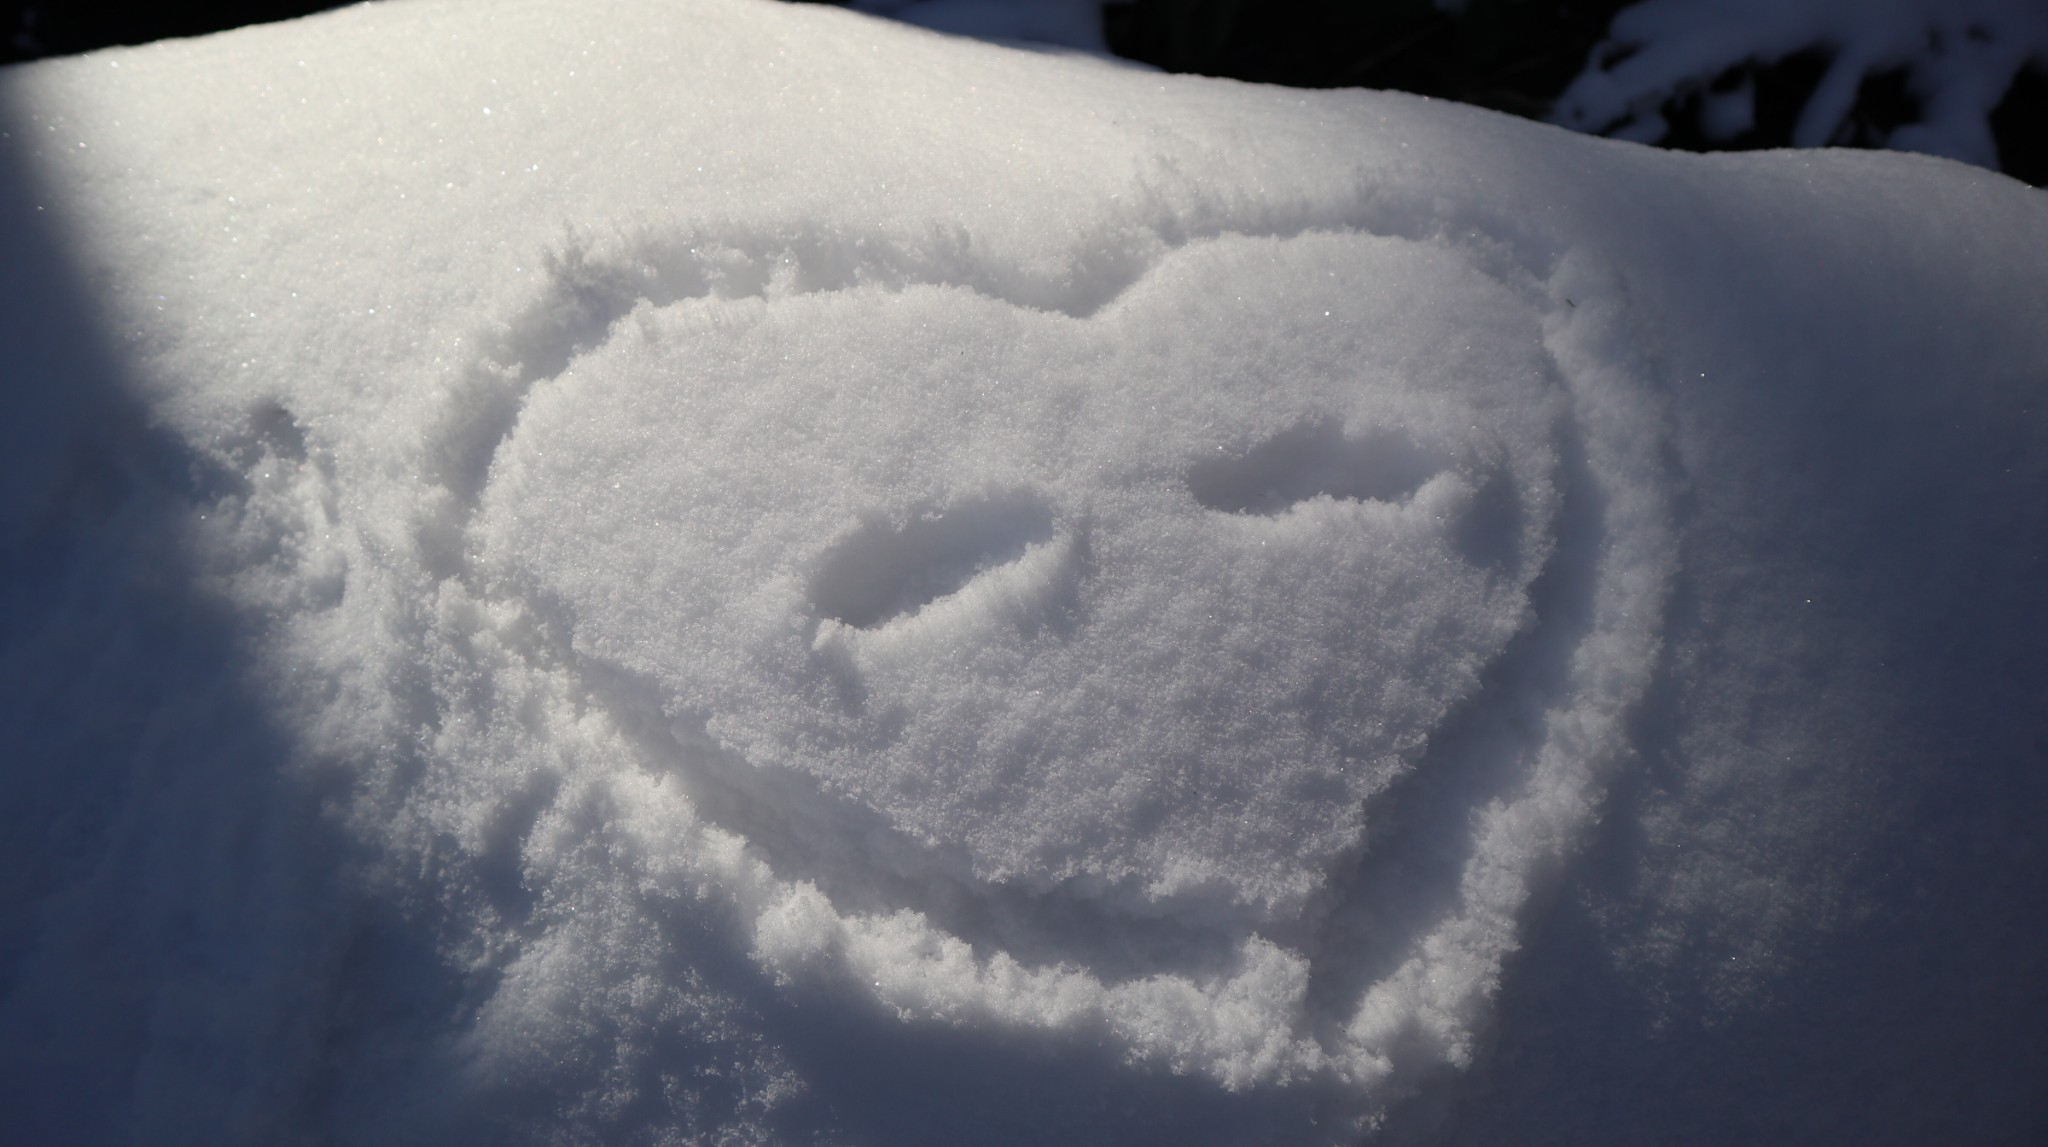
(1117, 664)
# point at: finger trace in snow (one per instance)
(969, 647)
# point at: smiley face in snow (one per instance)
(1144, 608)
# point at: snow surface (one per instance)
(720, 572)
(1958, 59)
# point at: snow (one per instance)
(726, 572)
(1958, 60)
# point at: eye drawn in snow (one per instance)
(1165, 664)
(884, 573)
(1312, 460)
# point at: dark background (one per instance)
(1511, 55)
(38, 28)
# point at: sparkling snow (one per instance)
(721, 572)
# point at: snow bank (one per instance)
(731, 572)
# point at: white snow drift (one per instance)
(727, 572)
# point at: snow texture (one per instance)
(721, 572)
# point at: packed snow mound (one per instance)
(732, 572)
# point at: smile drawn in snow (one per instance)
(1091, 706)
